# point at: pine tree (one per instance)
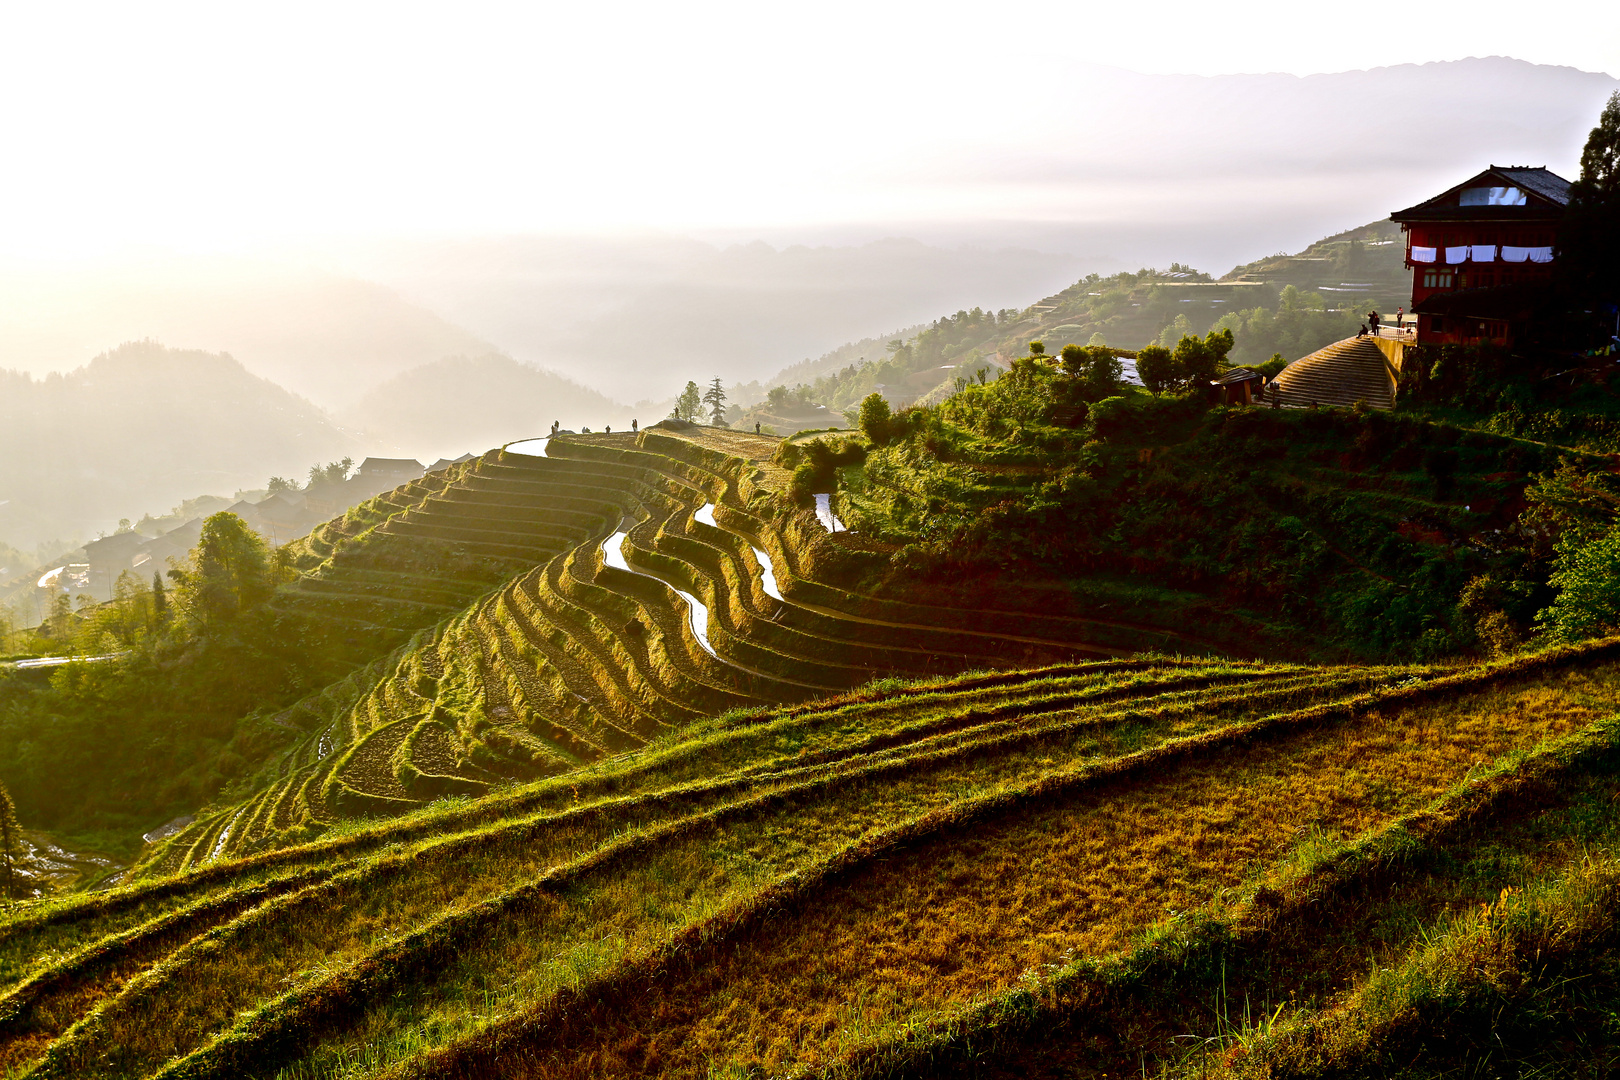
(12, 852)
(715, 398)
(160, 600)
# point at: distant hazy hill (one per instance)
(637, 317)
(139, 429)
(469, 404)
(330, 338)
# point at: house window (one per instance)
(1437, 279)
(1492, 196)
(1484, 281)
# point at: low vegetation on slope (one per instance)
(1025, 872)
(1356, 532)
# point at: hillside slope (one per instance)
(145, 426)
(1040, 872)
(461, 403)
(523, 614)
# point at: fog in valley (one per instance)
(233, 268)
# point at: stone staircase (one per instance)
(1341, 374)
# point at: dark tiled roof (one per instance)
(1547, 184)
(1237, 375)
(390, 464)
(1549, 191)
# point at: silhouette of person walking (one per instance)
(1372, 321)
(633, 427)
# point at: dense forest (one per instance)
(100, 751)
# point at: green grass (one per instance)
(858, 878)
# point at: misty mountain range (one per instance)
(434, 347)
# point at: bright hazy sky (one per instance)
(225, 126)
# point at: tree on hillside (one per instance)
(689, 406)
(335, 472)
(13, 853)
(1037, 348)
(1588, 603)
(1591, 231)
(715, 398)
(1174, 332)
(1095, 368)
(1200, 360)
(278, 484)
(1156, 368)
(875, 417)
(160, 602)
(227, 573)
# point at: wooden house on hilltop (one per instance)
(1481, 254)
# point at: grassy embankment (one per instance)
(863, 884)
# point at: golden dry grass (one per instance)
(963, 916)
(899, 935)
(635, 904)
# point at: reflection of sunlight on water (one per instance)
(698, 614)
(613, 551)
(225, 834)
(58, 661)
(768, 575)
(705, 514)
(829, 520)
(530, 447)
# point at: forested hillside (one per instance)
(141, 428)
(1287, 305)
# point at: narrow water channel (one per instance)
(767, 571)
(829, 520)
(697, 612)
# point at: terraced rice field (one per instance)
(903, 878)
(527, 613)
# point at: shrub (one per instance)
(1588, 585)
(1195, 363)
(1156, 368)
(1095, 369)
(875, 418)
(1273, 367)
(1109, 417)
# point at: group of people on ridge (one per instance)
(1374, 320)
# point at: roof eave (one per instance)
(1549, 213)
